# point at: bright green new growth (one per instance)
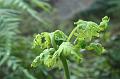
(42, 40)
(57, 46)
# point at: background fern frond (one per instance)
(24, 6)
(8, 29)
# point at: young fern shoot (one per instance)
(57, 47)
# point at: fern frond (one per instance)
(22, 5)
(14, 64)
(8, 29)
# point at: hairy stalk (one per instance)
(64, 62)
(65, 65)
(63, 59)
(71, 34)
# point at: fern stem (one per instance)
(65, 65)
(71, 34)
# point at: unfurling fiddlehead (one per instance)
(58, 48)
